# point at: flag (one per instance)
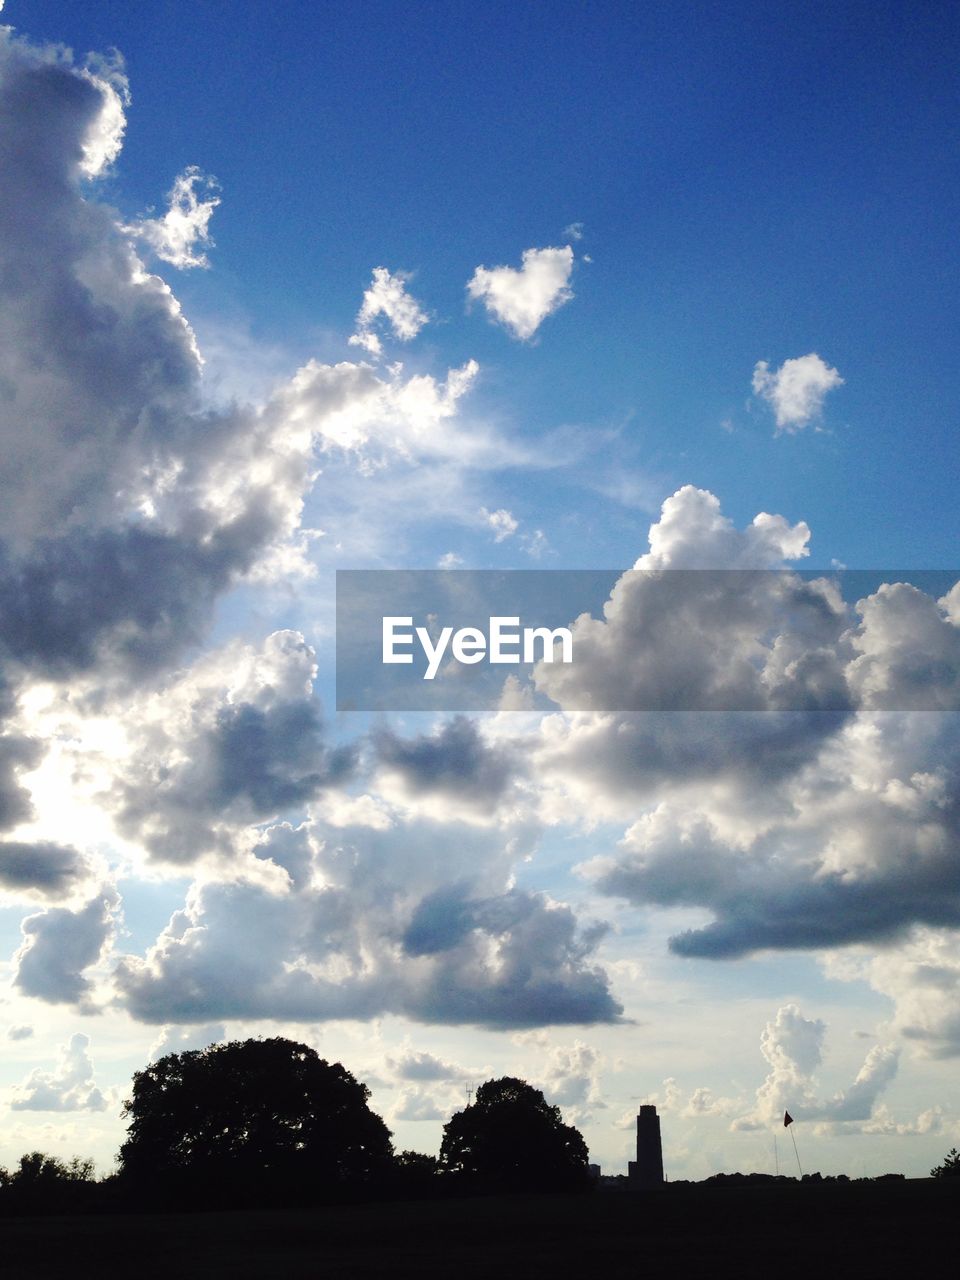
(787, 1119)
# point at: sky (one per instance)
(299, 288)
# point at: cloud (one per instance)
(68, 1087)
(796, 391)
(454, 767)
(522, 300)
(237, 740)
(793, 1047)
(16, 753)
(921, 975)
(387, 296)
(572, 1081)
(416, 1104)
(19, 1033)
(364, 941)
(58, 945)
(181, 1039)
(182, 235)
(817, 805)
(501, 522)
(103, 137)
(51, 869)
(425, 1066)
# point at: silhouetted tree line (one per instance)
(268, 1123)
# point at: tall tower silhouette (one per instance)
(647, 1169)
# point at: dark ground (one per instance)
(875, 1230)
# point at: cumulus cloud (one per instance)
(793, 1047)
(17, 753)
(369, 936)
(522, 299)
(796, 391)
(449, 771)
(50, 869)
(572, 1080)
(182, 1039)
(921, 976)
(69, 1086)
(502, 524)
(238, 739)
(387, 297)
(103, 136)
(827, 819)
(182, 235)
(425, 1066)
(59, 945)
(416, 1104)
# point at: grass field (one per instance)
(826, 1231)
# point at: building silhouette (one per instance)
(647, 1169)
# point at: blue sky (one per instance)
(753, 183)
(643, 273)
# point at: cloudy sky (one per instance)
(298, 289)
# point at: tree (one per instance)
(251, 1122)
(511, 1138)
(45, 1184)
(950, 1167)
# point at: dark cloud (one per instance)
(830, 864)
(51, 869)
(454, 762)
(58, 945)
(220, 759)
(131, 599)
(16, 753)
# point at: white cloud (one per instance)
(501, 522)
(387, 296)
(574, 231)
(181, 1039)
(521, 300)
(183, 233)
(69, 1086)
(796, 390)
(572, 1080)
(793, 1046)
(535, 544)
(103, 139)
(922, 977)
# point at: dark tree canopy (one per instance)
(251, 1121)
(42, 1183)
(950, 1167)
(511, 1137)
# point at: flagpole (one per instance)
(787, 1122)
(797, 1154)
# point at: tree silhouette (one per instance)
(42, 1183)
(950, 1167)
(251, 1122)
(511, 1138)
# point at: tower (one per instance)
(647, 1169)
